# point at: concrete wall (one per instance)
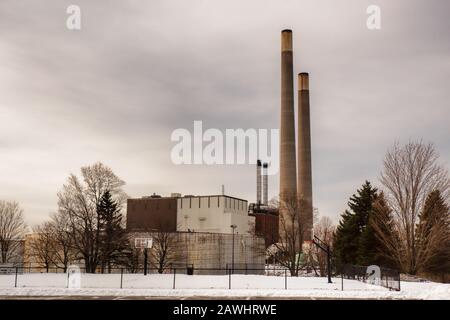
(213, 251)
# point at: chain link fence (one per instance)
(237, 276)
(385, 277)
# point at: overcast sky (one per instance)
(115, 90)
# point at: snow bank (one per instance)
(243, 286)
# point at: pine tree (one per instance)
(433, 235)
(346, 239)
(380, 236)
(348, 246)
(361, 204)
(112, 237)
(368, 246)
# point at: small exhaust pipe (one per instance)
(265, 184)
(258, 182)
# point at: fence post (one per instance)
(285, 279)
(121, 278)
(229, 278)
(174, 275)
(342, 281)
(15, 281)
(329, 264)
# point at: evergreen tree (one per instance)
(433, 235)
(346, 239)
(113, 240)
(380, 236)
(348, 247)
(368, 246)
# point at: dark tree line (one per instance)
(355, 240)
(407, 226)
(88, 227)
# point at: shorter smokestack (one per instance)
(258, 182)
(303, 81)
(304, 178)
(265, 184)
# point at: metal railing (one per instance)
(124, 278)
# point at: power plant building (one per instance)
(200, 232)
(214, 214)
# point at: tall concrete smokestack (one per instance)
(265, 184)
(304, 183)
(258, 182)
(288, 166)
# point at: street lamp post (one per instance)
(145, 261)
(233, 227)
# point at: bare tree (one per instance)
(294, 227)
(42, 245)
(12, 228)
(324, 230)
(63, 239)
(78, 202)
(410, 174)
(131, 258)
(164, 250)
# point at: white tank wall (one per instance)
(216, 216)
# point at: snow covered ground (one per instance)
(201, 286)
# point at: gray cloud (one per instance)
(137, 70)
